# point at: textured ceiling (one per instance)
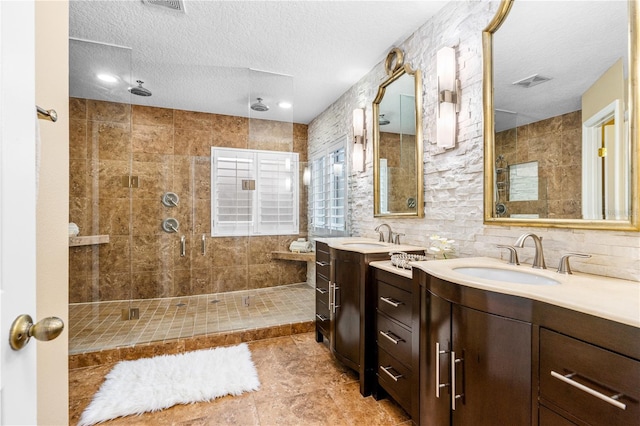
(221, 55)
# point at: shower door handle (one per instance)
(183, 246)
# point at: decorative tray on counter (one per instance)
(401, 259)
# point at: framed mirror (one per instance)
(560, 115)
(397, 141)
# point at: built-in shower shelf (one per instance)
(88, 240)
(289, 255)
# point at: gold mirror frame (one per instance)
(489, 135)
(396, 68)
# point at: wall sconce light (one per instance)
(306, 176)
(448, 98)
(358, 140)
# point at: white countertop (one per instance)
(366, 245)
(386, 265)
(611, 298)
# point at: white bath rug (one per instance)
(152, 384)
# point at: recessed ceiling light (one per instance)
(107, 77)
(285, 105)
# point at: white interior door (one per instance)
(17, 207)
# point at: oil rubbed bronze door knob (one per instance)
(24, 329)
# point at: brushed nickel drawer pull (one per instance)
(438, 384)
(322, 263)
(321, 317)
(322, 290)
(394, 377)
(389, 335)
(391, 301)
(455, 397)
(610, 399)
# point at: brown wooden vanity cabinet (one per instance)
(475, 366)
(507, 360)
(353, 314)
(323, 280)
(397, 323)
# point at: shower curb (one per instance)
(175, 346)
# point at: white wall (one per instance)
(454, 178)
(52, 241)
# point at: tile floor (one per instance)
(99, 325)
(301, 384)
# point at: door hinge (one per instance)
(602, 152)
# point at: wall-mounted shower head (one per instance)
(259, 106)
(383, 121)
(139, 90)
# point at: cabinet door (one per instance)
(493, 373)
(434, 360)
(347, 310)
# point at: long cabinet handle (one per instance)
(394, 377)
(322, 263)
(335, 304)
(610, 399)
(391, 301)
(322, 290)
(438, 384)
(331, 294)
(454, 397)
(321, 317)
(392, 337)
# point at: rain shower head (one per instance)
(383, 121)
(139, 90)
(259, 106)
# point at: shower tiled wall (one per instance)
(168, 150)
(399, 150)
(556, 144)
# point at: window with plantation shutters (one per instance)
(327, 198)
(254, 192)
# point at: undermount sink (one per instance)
(506, 275)
(364, 245)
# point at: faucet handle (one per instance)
(513, 254)
(380, 236)
(564, 267)
(396, 237)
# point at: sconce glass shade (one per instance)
(358, 157)
(358, 122)
(447, 98)
(306, 176)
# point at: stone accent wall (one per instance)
(453, 178)
(556, 144)
(169, 150)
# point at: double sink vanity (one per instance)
(479, 341)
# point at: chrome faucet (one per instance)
(381, 234)
(538, 258)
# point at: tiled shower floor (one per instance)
(99, 325)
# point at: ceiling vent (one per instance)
(531, 81)
(175, 5)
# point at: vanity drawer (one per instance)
(322, 289)
(322, 316)
(323, 261)
(388, 332)
(395, 378)
(394, 302)
(581, 378)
